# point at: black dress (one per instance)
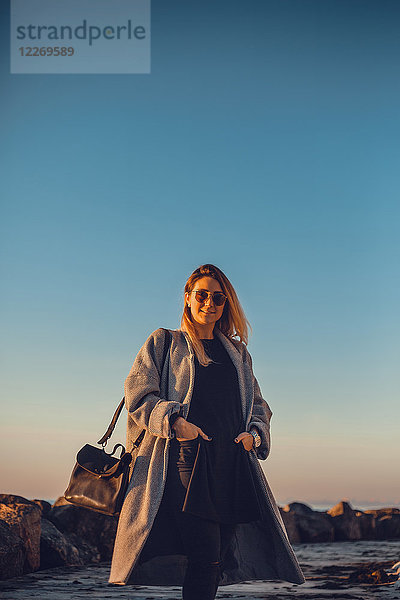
(221, 486)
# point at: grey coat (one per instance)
(261, 550)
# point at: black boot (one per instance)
(201, 581)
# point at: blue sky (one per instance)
(265, 140)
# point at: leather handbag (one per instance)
(99, 480)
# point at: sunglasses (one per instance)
(201, 296)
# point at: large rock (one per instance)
(347, 525)
(383, 511)
(44, 505)
(312, 526)
(298, 508)
(12, 553)
(87, 552)
(61, 501)
(55, 549)
(23, 518)
(387, 526)
(94, 528)
(386, 522)
(289, 520)
(367, 525)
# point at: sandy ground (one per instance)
(325, 566)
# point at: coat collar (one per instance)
(238, 362)
(228, 344)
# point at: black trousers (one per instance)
(204, 541)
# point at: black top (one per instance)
(221, 487)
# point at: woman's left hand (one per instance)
(247, 440)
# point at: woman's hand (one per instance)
(187, 431)
(247, 440)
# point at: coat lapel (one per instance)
(238, 362)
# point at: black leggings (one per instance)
(205, 541)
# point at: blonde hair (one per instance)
(233, 322)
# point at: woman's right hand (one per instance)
(187, 431)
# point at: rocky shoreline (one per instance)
(40, 542)
(334, 571)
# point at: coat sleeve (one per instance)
(142, 389)
(260, 416)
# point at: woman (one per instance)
(198, 497)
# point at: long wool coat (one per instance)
(261, 549)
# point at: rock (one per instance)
(61, 501)
(12, 553)
(387, 526)
(386, 522)
(367, 525)
(99, 529)
(12, 499)
(44, 505)
(377, 512)
(23, 518)
(311, 525)
(380, 576)
(88, 554)
(58, 549)
(298, 508)
(55, 549)
(289, 520)
(372, 573)
(347, 525)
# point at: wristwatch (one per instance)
(256, 436)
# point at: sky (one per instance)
(265, 140)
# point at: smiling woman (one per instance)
(215, 301)
(197, 493)
(208, 305)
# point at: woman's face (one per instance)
(205, 313)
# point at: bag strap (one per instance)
(111, 427)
